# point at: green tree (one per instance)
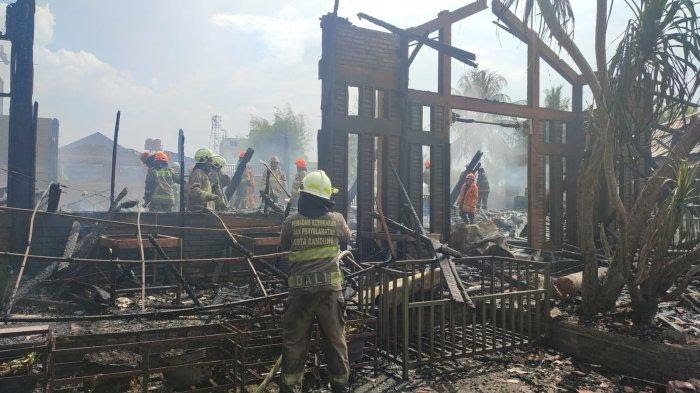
(554, 100)
(653, 72)
(285, 122)
(484, 84)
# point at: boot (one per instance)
(339, 388)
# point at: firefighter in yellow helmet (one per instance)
(215, 178)
(159, 193)
(276, 191)
(199, 194)
(314, 237)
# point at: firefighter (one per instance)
(159, 191)
(147, 159)
(483, 183)
(217, 186)
(275, 188)
(199, 194)
(296, 186)
(426, 172)
(468, 197)
(314, 237)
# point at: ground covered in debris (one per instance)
(527, 370)
(676, 322)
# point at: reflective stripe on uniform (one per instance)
(315, 253)
(315, 279)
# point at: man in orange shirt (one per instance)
(468, 197)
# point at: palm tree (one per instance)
(554, 100)
(654, 71)
(484, 84)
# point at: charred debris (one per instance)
(125, 300)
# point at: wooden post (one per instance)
(440, 202)
(21, 156)
(574, 137)
(114, 158)
(535, 162)
(181, 155)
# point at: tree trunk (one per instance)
(619, 271)
(587, 186)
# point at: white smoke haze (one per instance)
(504, 149)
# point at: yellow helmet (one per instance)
(218, 161)
(317, 183)
(203, 155)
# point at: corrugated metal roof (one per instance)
(662, 141)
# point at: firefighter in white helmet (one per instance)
(314, 237)
(275, 188)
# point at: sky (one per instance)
(171, 64)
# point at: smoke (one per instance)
(505, 152)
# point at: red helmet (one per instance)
(427, 164)
(241, 154)
(300, 163)
(471, 176)
(160, 156)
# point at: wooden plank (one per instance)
(447, 18)
(642, 359)
(451, 281)
(267, 241)
(24, 330)
(494, 107)
(124, 242)
(529, 36)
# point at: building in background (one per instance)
(230, 148)
(47, 168)
(86, 166)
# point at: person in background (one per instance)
(426, 172)
(314, 237)
(147, 159)
(275, 188)
(199, 194)
(468, 196)
(217, 186)
(483, 183)
(296, 186)
(159, 190)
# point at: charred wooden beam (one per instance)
(493, 107)
(456, 53)
(21, 159)
(529, 36)
(114, 158)
(49, 270)
(449, 18)
(174, 271)
(238, 175)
